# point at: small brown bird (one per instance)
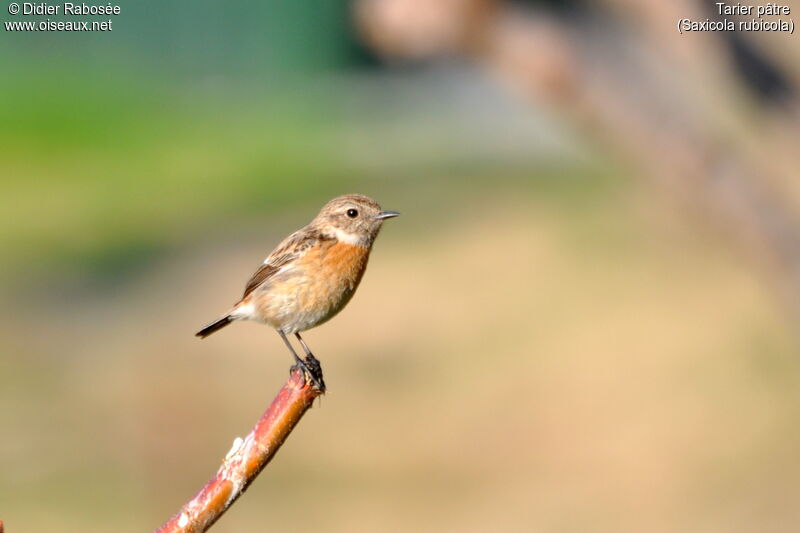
(311, 275)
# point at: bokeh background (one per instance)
(585, 320)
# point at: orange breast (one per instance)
(334, 272)
(341, 263)
(322, 283)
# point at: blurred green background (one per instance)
(542, 342)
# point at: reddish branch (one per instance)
(246, 458)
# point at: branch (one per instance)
(247, 457)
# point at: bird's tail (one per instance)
(214, 326)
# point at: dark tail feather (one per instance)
(214, 326)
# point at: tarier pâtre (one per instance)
(744, 9)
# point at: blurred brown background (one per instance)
(585, 320)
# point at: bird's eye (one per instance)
(352, 213)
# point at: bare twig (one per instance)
(246, 458)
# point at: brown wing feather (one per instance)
(292, 247)
(262, 274)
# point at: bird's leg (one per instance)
(309, 368)
(297, 359)
(309, 356)
(312, 361)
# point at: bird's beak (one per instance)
(387, 214)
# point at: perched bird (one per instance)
(311, 275)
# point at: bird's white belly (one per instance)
(304, 307)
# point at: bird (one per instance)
(311, 275)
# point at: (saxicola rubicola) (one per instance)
(311, 275)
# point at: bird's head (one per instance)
(353, 219)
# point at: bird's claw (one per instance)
(311, 368)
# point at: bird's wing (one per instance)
(290, 249)
(259, 276)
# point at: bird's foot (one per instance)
(312, 369)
